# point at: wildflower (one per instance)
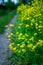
(14, 49)
(40, 26)
(22, 46)
(40, 21)
(9, 36)
(26, 35)
(29, 45)
(9, 39)
(32, 20)
(11, 33)
(17, 32)
(32, 38)
(20, 34)
(35, 34)
(36, 24)
(11, 46)
(31, 23)
(39, 29)
(28, 18)
(11, 25)
(19, 51)
(27, 25)
(23, 50)
(34, 47)
(38, 14)
(18, 44)
(40, 42)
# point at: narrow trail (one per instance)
(4, 44)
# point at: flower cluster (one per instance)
(28, 32)
(9, 32)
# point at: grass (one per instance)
(4, 12)
(4, 20)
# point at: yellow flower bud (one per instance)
(11, 25)
(27, 25)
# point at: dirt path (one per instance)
(4, 45)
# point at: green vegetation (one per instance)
(4, 20)
(2, 12)
(27, 36)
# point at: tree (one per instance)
(3, 1)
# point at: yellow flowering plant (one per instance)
(28, 35)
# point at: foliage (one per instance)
(10, 5)
(2, 12)
(27, 38)
(5, 20)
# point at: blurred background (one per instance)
(8, 5)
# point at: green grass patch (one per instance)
(4, 20)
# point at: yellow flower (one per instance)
(39, 29)
(39, 42)
(19, 51)
(9, 36)
(38, 14)
(23, 50)
(26, 35)
(11, 46)
(28, 18)
(40, 21)
(29, 45)
(35, 34)
(22, 46)
(11, 33)
(14, 49)
(9, 39)
(32, 38)
(18, 44)
(31, 23)
(40, 26)
(27, 25)
(34, 47)
(11, 25)
(17, 32)
(32, 20)
(36, 24)
(20, 34)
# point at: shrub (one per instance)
(27, 38)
